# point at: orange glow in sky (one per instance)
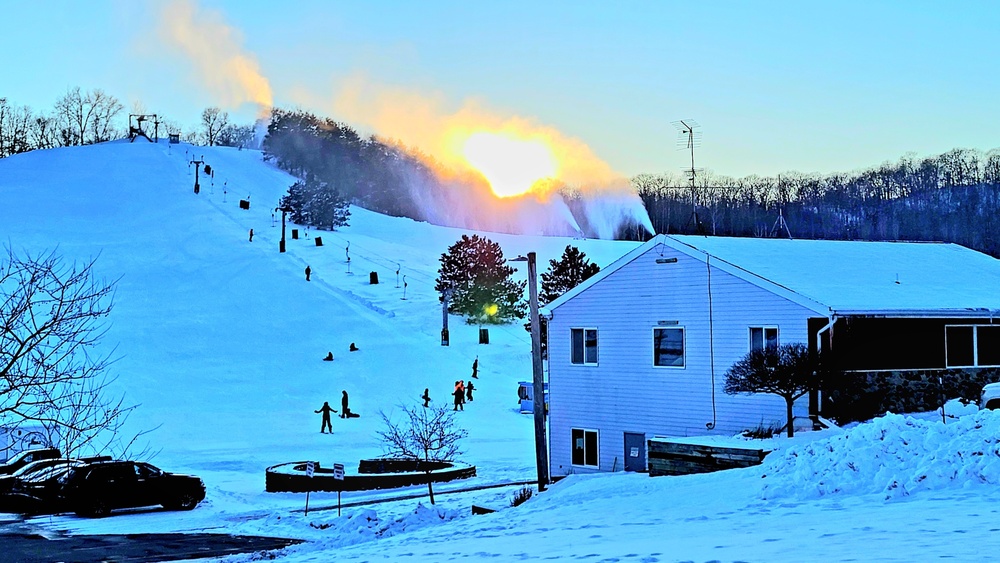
(511, 165)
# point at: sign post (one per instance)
(338, 474)
(310, 471)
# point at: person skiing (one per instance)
(343, 406)
(308, 272)
(251, 235)
(427, 397)
(475, 368)
(326, 410)
(468, 391)
(459, 396)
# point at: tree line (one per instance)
(85, 117)
(951, 197)
(336, 163)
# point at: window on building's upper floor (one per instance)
(583, 346)
(763, 337)
(668, 347)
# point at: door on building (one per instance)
(635, 451)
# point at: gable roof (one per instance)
(845, 277)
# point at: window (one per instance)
(972, 345)
(763, 336)
(583, 349)
(585, 447)
(668, 347)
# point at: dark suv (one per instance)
(96, 489)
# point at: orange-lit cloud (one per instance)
(422, 121)
(216, 53)
(517, 156)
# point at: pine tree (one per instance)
(570, 271)
(317, 204)
(480, 281)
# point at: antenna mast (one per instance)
(687, 139)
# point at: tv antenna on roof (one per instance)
(688, 137)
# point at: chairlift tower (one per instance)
(688, 137)
(135, 129)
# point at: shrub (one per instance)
(521, 496)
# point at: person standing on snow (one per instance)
(326, 410)
(343, 406)
(251, 235)
(459, 396)
(308, 272)
(475, 368)
(468, 391)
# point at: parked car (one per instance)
(26, 457)
(95, 489)
(990, 397)
(7, 482)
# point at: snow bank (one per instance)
(893, 455)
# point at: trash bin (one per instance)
(484, 336)
(319, 241)
(295, 233)
(373, 278)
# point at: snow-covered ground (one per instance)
(221, 341)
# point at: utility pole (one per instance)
(537, 377)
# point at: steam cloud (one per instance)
(215, 49)
(417, 121)
(414, 120)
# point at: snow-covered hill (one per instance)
(221, 341)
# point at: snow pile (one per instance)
(893, 455)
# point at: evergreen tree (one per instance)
(572, 269)
(317, 204)
(480, 281)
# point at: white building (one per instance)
(641, 349)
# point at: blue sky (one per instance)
(776, 86)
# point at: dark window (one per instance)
(668, 347)
(583, 344)
(958, 346)
(763, 336)
(988, 345)
(584, 447)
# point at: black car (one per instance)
(98, 488)
(26, 457)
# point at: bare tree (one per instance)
(87, 117)
(53, 317)
(426, 433)
(787, 371)
(213, 122)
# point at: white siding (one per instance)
(625, 392)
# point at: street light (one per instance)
(537, 381)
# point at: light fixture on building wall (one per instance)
(666, 260)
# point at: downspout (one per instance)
(711, 339)
(819, 349)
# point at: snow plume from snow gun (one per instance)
(502, 173)
(215, 49)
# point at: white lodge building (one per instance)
(642, 348)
